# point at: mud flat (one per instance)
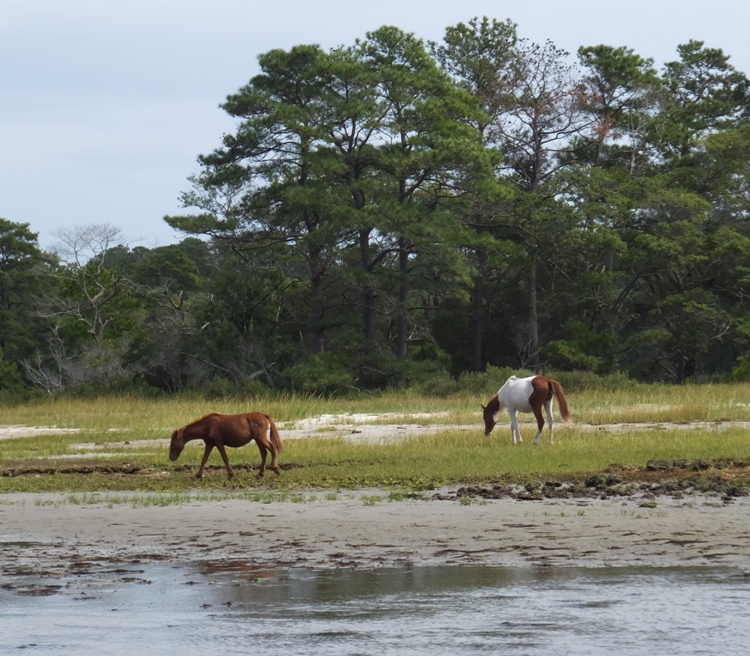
(670, 513)
(46, 532)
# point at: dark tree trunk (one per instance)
(534, 318)
(478, 301)
(316, 302)
(403, 292)
(368, 295)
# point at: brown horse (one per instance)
(218, 430)
(526, 395)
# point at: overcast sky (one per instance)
(105, 104)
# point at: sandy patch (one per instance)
(8, 432)
(376, 429)
(45, 531)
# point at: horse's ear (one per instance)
(483, 408)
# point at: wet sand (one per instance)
(47, 531)
(365, 530)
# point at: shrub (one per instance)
(741, 372)
(439, 384)
(489, 381)
(223, 388)
(578, 381)
(320, 373)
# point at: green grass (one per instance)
(451, 457)
(461, 457)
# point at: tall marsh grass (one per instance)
(630, 403)
(662, 403)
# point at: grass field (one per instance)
(449, 457)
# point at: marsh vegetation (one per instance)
(121, 443)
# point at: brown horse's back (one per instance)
(238, 430)
(234, 430)
(219, 431)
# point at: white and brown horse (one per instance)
(526, 395)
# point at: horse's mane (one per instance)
(202, 419)
(493, 405)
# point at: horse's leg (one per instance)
(265, 445)
(515, 433)
(206, 453)
(550, 420)
(539, 422)
(274, 466)
(223, 452)
(262, 449)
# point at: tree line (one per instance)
(396, 210)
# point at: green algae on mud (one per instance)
(726, 478)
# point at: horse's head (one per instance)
(177, 444)
(489, 412)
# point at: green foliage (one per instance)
(587, 381)
(320, 373)
(568, 353)
(10, 377)
(741, 371)
(489, 381)
(21, 262)
(585, 349)
(217, 389)
(708, 93)
(396, 215)
(431, 382)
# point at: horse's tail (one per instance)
(557, 390)
(275, 437)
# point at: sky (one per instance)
(105, 105)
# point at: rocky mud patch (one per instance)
(725, 478)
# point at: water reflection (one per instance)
(238, 609)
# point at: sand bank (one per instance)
(362, 530)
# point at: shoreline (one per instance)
(48, 532)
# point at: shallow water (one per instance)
(209, 609)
